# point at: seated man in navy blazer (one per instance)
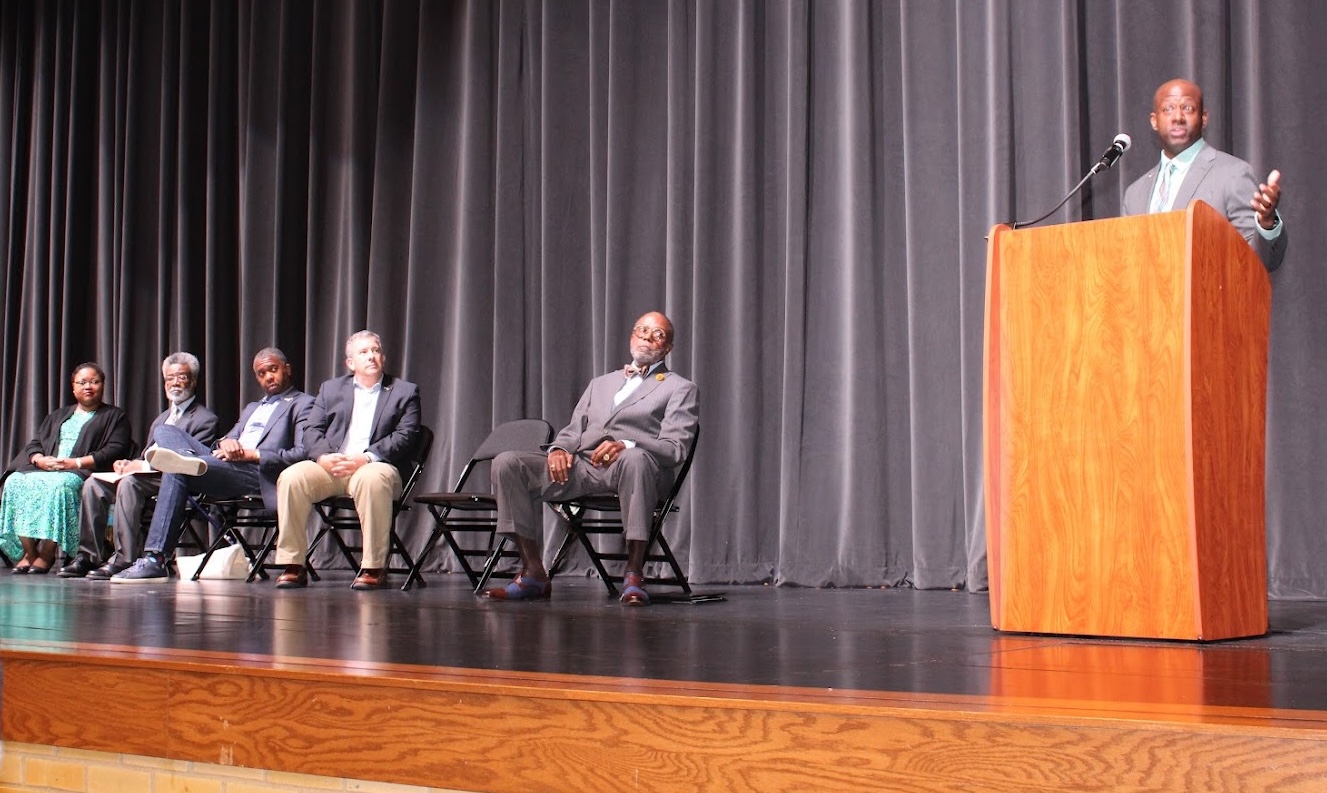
(267, 438)
(628, 435)
(137, 482)
(362, 428)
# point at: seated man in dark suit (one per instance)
(363, 426)
(628, 435)
(266, 439)
(134, 481)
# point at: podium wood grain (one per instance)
(1125, 391)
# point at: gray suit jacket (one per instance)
(1228, 184)
(282, 441)
(660, 416)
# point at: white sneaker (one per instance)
(171, 462)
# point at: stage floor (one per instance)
(920, 644)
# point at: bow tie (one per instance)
(631, 370)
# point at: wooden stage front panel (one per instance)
(774, 689)
(500, 731)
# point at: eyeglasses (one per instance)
(178, 378)
(647, 333)
(84, 383)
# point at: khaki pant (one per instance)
(373, 487)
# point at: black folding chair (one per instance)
(189, 534)
(232, 518)
(338, 514)
(602, 514)
(474, 510)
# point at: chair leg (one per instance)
(259, 559)
(416, 568)
(409, 566)
(339, 543)
(564, 550)
(574, 534)
(667, 557)
(593, 553)
(490, 566)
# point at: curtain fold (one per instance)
(500, 188)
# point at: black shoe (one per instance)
(78, 568)
(107, 570)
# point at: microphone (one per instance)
(1117, 149)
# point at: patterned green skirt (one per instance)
(43, 505)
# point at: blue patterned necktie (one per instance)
(1162, 202)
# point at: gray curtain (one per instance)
(500, 188)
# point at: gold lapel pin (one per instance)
(659, 377)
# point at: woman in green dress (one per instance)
(40, 501)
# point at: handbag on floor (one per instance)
(228, 562)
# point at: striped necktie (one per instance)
(1162, 202)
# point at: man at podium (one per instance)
(1190, 170)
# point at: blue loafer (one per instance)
(522, 588)
(633, 590)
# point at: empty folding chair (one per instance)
(470, 506)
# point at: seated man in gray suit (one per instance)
(628, 435)
(137, 481)
(267, 438)
(361, 429)
(1190, 170)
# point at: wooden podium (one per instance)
(1125, 392)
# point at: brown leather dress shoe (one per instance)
(294, 577)
(370, 578)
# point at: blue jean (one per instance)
(222, 479)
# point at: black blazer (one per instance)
(107, 437)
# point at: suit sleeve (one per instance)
(205, 428)
(279, 459)
(1239, 210)
(47, 434)
(397, 446)
(678, 428)
(1239, 192)
(1135, 199)
(115, 443)
(1273, 251)
(315, 425)
(569, 438)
